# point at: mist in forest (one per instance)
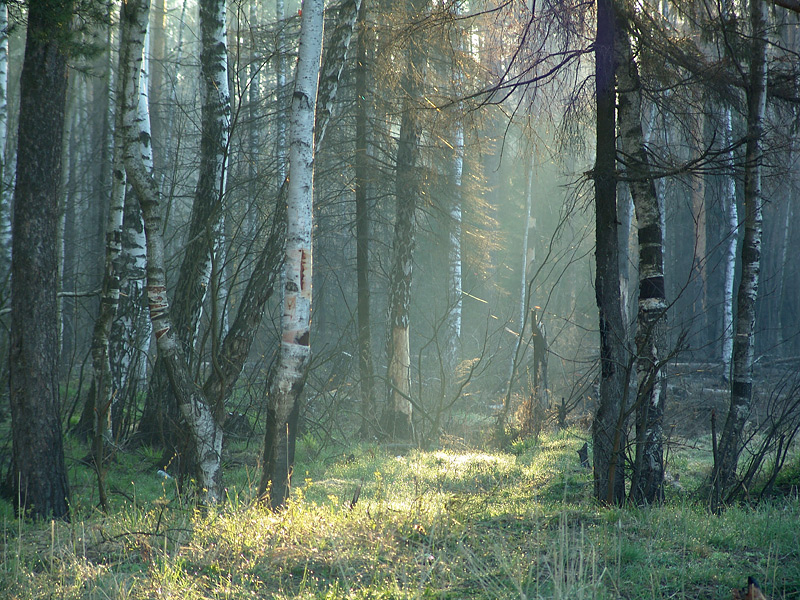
(447, 203)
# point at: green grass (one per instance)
(441, 524)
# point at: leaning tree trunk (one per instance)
(397, 419)
(38, 477)
(608, 424)
(647, 479)
(206, 434)
(729, 448)
(205, 229)
(235, 348)
(295, 350)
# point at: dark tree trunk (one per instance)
(608, 424)
(366, 368)
(397, 419)
(724, 472)
(38, 475)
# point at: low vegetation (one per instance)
(370, 523)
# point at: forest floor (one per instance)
(453, 523)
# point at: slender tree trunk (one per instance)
(454, 297)
(724, 472)
(454, 289)
(102, 391)
(365, 366)
(129, 342)
(608, 423)
(295, 350)
(5, 185)
(280, 91)
(698, 194)
(38, 476)
(647, 479)
(524, 302)
(205, 431)
(730, 243)
(205, 228)
(233, 352)
(398, 420)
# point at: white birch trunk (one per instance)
(454, 255)
(206, 433)
(295, 349)
(730, 243)
(727, 458)
(455, 284)
(104, 390)
(648, 474)
(280, 91)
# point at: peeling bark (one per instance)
(295, 349)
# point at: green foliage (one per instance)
(440, 524)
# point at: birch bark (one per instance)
(398, 420)
(205, 228)
(295, 349)
(205, 432)
(724, 472)
(454, 287)
(648, 474)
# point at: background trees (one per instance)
(439, 129)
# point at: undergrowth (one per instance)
(439, 524)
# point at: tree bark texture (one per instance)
(38, 476)
(205, 224)
(724, 472)
(365, 365)
(398, 421)
(295, 349)
(608, 423)
(731, 238)
(647, 479)
(102, 392)
(334, 61)
(206, 434)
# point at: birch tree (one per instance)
(205, 223)
(398, 420)
(648, 472)
(206, 434)
(102, 392)
(455, 299)
(295, 348)
(727, 456)
(38, 474)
